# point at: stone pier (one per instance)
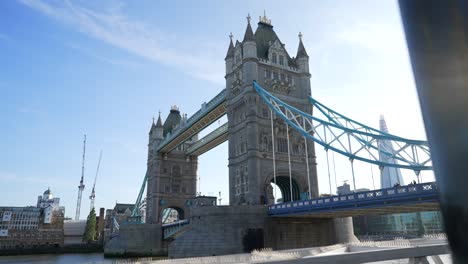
(222, 230)
(136, 240)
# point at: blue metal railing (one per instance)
(115, 228)
(414, 193)
(173, 228)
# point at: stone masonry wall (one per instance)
(221, 230)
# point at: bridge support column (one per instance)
(419, 260)
(136, 240)
(221, 230)
(300, 232)
(344, 231)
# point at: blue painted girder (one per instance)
(365, 137)
(408, 198)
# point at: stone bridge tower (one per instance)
(261, 56)
(171, 176)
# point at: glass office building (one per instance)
(405, 224)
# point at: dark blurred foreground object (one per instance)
(437, 36)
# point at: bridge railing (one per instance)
(172, 228)
(353, 198)
(205, 108)
(115, 228)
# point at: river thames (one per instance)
(66, 258)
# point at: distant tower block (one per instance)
(389, 176)
(261, 56)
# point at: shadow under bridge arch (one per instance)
(283, 184)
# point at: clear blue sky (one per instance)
(104, 68)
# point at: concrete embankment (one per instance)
(79, 248)
(136, 241)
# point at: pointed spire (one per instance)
(301, 52)
(230, 52)
(264, 19)
(383, 124)
(159, 123)
(249, 35)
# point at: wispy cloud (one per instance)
(132, 36)
(95, 55)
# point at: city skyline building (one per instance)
(49, 204)
(32, 227)
(389, 176)
(412, 224)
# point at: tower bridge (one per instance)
(272, 133)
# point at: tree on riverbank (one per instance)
(90, 230)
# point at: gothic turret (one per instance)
(249, 46)
(302, 59)
(172, 121)
(156, 131)
(152, 129)
(159, 127)
(230, 55)
(155, 136)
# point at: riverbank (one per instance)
(96, 258)
(80, 248)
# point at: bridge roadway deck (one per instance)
(401, 199)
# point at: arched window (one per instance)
(273, 57)
(281, 60)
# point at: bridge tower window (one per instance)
(268, 74)
(282, 145)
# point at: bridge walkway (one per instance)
(399, 199)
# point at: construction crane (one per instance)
(81, 186)
(93, 194)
